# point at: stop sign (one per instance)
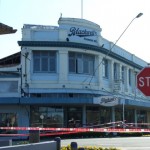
(143, 81)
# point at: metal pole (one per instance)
(139, 15)
(81, 9)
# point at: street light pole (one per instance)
(138, 16)
(123, 102)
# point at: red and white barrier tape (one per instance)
(77, 129)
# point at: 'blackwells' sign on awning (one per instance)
(106, 100)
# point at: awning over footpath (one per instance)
(4, 29)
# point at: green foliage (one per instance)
(21, 142)
(89, 148)
(97, 135)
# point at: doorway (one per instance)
(74, 117)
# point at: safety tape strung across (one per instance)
(41, 134)
(77, 129)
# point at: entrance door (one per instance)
(74, 117)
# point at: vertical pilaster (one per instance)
(126, 79)
(111, 75)
(100, 70)
(120, 77)
(63, 66)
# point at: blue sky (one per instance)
(113, 16)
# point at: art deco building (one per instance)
(68, 72)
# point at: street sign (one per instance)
(143, 81)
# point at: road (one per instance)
(128, 143)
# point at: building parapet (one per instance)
(123, 53)
(44, 27)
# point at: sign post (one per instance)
(143, 81)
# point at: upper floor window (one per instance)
(130, 76)
(116, 71)
(105, 68)
(8, 86)
(81, 63)
(44, 61)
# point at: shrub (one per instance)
(89, 148)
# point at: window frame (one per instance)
(81, 63)
(105, 68)
(130, 77)
(51, 59)
(116, 71)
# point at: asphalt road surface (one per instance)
(128, 143)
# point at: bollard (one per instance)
(58, 141)
(74, 146)
(34, 136)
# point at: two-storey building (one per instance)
(70, 72)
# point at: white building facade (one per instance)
(70, 72)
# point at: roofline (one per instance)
(5, 29)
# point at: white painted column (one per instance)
(120, 72)
(120, 78)
(63, 66)
(100, 71)
(132, 81)
(111, 74)
(126, 79)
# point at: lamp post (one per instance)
(123, 102)
(138, 16)
(42, 117)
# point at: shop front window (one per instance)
(93, 116)
(105, 115)
(118, 114)
(74, 116)
(98, 116)
(141, 116)
(8, 120)
(129, 116)
(46, 116)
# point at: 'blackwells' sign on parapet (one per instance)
(81, 33)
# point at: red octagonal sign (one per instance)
(143, 81)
